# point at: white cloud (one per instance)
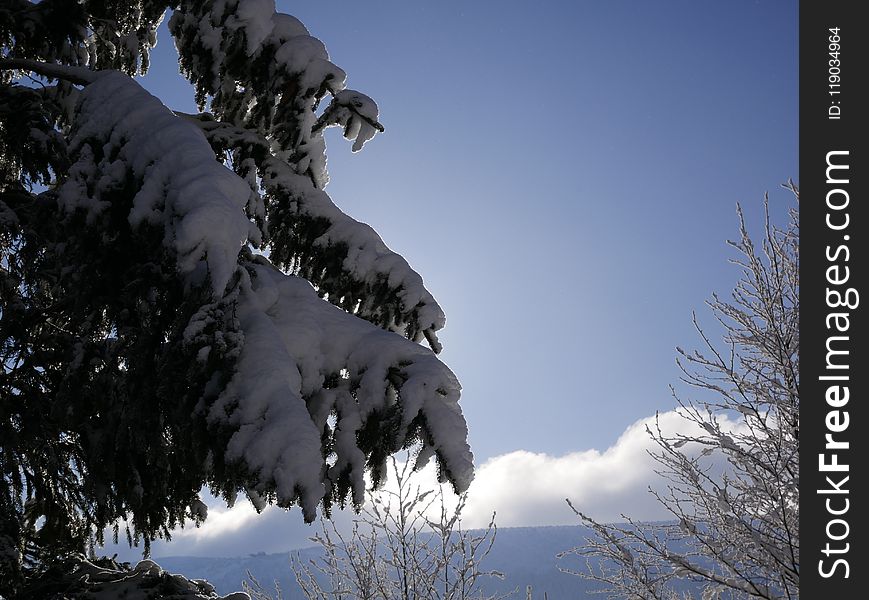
(524, 488)
(528, 488)
(228, 532)
(222, 521)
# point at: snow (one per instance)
(199, 202)
(255, 16)
(285, 27)
(355, 105)
(368, 259)
(305, 368)
(113, 582)
(293, 342)
(295, 61)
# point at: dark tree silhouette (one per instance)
(182, 303)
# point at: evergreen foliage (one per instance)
(149, 347)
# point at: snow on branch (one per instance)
(303, 361)
(76, 75)
(263, 70)
(344, 258)
(106, 579)
(122, 131)
(138, 318)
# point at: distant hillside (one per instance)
(526, 555)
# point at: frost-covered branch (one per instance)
(734, 531)
(398, 550)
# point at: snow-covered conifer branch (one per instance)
(347, 260)
(96, 35)
(147, 352)
(123, 132)
(263, 70)
(395, 391)
(76, 75)
(265, 76)
(304, 360)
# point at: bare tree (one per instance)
(395, 550)
(734, 533)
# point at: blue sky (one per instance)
(564, 176)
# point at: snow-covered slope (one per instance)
(526, 556)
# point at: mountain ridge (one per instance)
(525, 555)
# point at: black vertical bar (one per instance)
(834, 171)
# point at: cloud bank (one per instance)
(529, 488)
(524, 489)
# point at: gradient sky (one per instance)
(564, 176)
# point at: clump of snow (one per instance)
(299, 74)
(104, 579)
(306, 56)
(356, 112)
(255, 17)
(294, 341)
(198, 202)
(285, 27)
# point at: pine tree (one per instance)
(183, 305)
